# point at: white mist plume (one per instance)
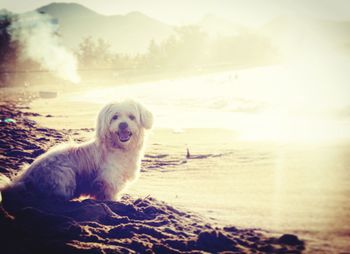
(37, 35)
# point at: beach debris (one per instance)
(9, 120)
(188, 155)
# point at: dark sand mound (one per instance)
(90, 226)
(140, 226)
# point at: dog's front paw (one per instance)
(102, 190)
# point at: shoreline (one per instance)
(152, 76)
(24, 140)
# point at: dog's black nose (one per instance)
(123, 125)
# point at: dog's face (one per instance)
(121, 124)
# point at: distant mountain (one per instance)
(129, 33)
(132, 33)
(63, 10)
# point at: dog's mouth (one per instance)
(124, 135)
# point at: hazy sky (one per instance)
(249, 12)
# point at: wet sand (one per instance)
(133, 225)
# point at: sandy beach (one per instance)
(289, 184)
(226, 177)
(137, 224)
(254, 197)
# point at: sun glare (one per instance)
(82, 198)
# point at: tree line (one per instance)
(188, 49)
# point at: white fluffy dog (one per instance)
(101, 167)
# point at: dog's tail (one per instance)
(12, 194)
(4, 182)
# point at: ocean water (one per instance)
(279, 103)
(283, 132)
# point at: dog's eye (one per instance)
(132, 117)
(115, 117)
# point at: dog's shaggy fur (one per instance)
(101, 167)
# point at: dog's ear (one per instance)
(146, 116)
(103, 120)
